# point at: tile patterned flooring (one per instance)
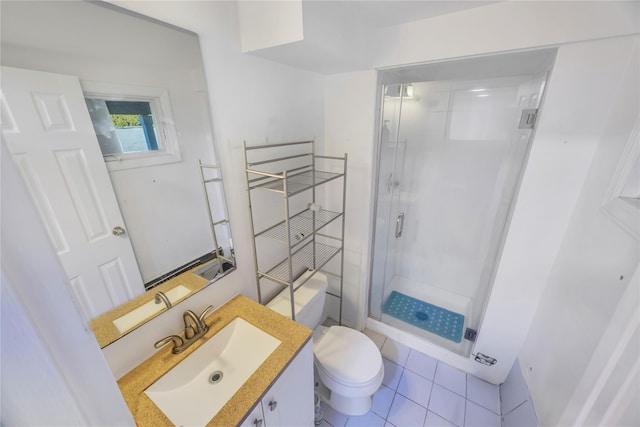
(420, 391)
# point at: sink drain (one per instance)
(215, 377)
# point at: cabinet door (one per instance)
(255, 418)
(289, 402)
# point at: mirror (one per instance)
(170, 194)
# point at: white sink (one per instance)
(145, 311)
(193, 392)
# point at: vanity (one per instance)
(279, 392)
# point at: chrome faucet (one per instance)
(194, 328)
(161, 297)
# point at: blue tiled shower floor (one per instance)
(429, 317)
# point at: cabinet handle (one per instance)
(257, 422)
(273, 405)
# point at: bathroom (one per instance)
(557, 277)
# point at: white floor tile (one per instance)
(392, 374)
(324, 423)
(422, 364)
(396, 352)
(382, 400)
(514, 390)
(367, 420)
(522, 416)
(434, 420)
(483, 393)
(415, 387)
(388, 424)
(477, 416)
(333, 417)
(447, 404)
(451, 378)
(376, 337)
(405, 413)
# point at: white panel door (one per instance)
(47, 129)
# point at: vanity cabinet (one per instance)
(289, 401)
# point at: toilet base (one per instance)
(352, 406)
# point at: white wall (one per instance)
(251, 99)
(597, 258)
(502, 26)
(349, 114)
(576, 102)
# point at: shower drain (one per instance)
(215, 377)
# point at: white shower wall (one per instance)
(458, 159)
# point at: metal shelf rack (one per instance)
(297, 232)
(212, 223)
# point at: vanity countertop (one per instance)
(103, 327)
(292, 335)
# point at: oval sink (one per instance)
(193, 392)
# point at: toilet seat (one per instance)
(348, 357)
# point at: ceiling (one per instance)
(336, 32)
(371, 14)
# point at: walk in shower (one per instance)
(452, 145)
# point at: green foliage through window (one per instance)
(125, 120)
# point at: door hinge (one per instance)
(484, 359)
(470, 334)
(528, 118)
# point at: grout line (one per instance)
(517, 406)
(386, 418)
(430, 394)
(464, 415)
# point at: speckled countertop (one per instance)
(103, 327)
(291, 334)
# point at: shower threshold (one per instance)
(429, 317)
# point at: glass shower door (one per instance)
(389, 221)
(447, 176)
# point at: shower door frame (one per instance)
(479, 346)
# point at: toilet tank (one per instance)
(308, 300)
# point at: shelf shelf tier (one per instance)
(301, 261)
(295, 183)
(301, 225)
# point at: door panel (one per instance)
(50, 136)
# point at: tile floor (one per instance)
(420, 391)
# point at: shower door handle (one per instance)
(399, 225)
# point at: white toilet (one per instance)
(348, 365)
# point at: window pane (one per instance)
(123, 126)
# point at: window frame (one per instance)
(158, 99)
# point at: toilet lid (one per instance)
(347, 355)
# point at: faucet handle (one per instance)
(177, 342)
(204, 313)
(191, 324)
